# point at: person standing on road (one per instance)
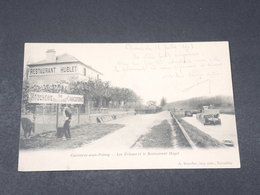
(66, 126)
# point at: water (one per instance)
(227, 129)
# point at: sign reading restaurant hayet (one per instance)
(55, 98)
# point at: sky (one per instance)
(175, 71)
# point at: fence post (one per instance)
(78, 114)
(88, 109)
(57, 116)
(34, 117)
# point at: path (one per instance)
(124, 138)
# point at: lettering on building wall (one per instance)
(68, 69)
(35, 71)
(52, 70)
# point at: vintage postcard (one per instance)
(127, 106)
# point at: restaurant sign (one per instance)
(53, 70)
(55, 98)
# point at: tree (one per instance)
(98, 92)
(163, 102)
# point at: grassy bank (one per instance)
(159, 137)
(79, 136)
(179, 137)
(200, 139)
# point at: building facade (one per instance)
(62, 68)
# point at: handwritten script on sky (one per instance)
(153, 70)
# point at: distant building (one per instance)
(151, 103)
(61, 68)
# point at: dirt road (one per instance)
(124, 138)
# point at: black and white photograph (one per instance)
(101, 106)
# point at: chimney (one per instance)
(51, 55)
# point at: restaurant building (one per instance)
(62, 68)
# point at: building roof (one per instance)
(63, 59)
